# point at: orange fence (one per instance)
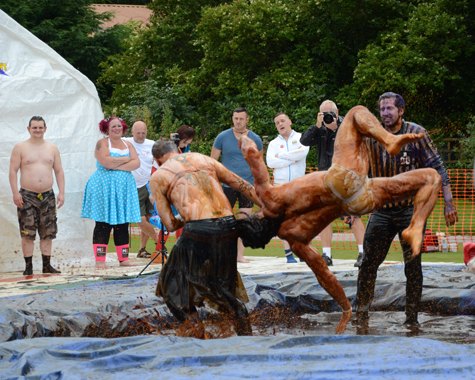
(463, 231)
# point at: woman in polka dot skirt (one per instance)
(110, 197)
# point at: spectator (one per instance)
(226, 146)
(110, 197)
(323, 134)
(202, 265)
(143, 147)
(184, 137)
(286, 156)
(36, 159)
(395, 216)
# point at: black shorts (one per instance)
(234, 195)
(146, 207)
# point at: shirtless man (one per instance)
(36, 159)
(202, 266)
(308, 204)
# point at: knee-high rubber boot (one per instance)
(122, 252)
(100, 251)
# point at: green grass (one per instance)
(274, 249)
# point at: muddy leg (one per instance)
(423, 185)
(326, 279)
(424, 202)
(368, 125)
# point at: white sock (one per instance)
(327, 251)
(360, 248)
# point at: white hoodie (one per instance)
(287, 158)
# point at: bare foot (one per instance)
(414, 237)
(243, 260)
(101, 265)
(345, 318)
(394, 147)
(246, 144)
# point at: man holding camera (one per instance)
(322, 135)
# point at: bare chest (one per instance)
(37, 156)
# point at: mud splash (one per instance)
(268, 320)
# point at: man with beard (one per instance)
(396, 215)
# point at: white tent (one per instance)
(35, 80)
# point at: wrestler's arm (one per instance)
(235, 182)
(159, 186)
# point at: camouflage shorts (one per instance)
(37, 214)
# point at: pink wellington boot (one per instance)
(100, 251)
(123, 255)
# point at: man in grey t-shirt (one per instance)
(226, 146)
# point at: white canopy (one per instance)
(35, 80)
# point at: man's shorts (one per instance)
(37, 214)
(146, 207)
(347, 217)
(234, 195)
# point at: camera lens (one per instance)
(328, 117)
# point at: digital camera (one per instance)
(329, 117)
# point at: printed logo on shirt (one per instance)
(405, 160)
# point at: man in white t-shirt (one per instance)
(286, 156)
(143, 146)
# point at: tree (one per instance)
(70, 27)
(420, 59)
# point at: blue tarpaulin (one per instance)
(443, 346)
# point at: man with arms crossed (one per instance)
(36, 159)
(286, 156)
